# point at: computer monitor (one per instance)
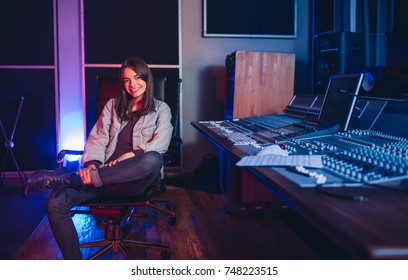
(340, 97)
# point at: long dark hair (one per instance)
(125, 103)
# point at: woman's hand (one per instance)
(122, 157)
(84, 174)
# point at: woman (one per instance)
(125, 145)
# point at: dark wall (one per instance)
(27, 73)
(263, 18)
(116, 30)
(26, 32)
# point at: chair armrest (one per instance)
(63, 153)
(172, 154)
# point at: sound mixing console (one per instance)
(339, 161)
(269, 129)
(355, 157)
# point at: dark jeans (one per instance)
(141, 170)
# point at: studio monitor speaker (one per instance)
(335, 53)
(378, 83)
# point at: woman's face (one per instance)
(133, 84)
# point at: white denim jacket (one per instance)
(152, 132)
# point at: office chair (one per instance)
(115, 211)
(169, 92)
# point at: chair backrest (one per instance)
(172, 98)
(106, 88)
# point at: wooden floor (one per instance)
(203, 231)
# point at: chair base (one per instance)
(122, 245)
(154, 203)
(113, 242)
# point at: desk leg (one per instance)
(231, 182)
(243, 192)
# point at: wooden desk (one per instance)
(372, 229)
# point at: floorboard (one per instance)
(203, 231)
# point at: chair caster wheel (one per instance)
(171, 220)
(165, 255)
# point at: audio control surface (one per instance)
(353, 158)
(265, 130)
(356, 158)
(377, 156)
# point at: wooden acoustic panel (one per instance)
(264, 83)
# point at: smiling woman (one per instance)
(135, 86)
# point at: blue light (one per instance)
(71, 93)
(72, 131)
(72, 162)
